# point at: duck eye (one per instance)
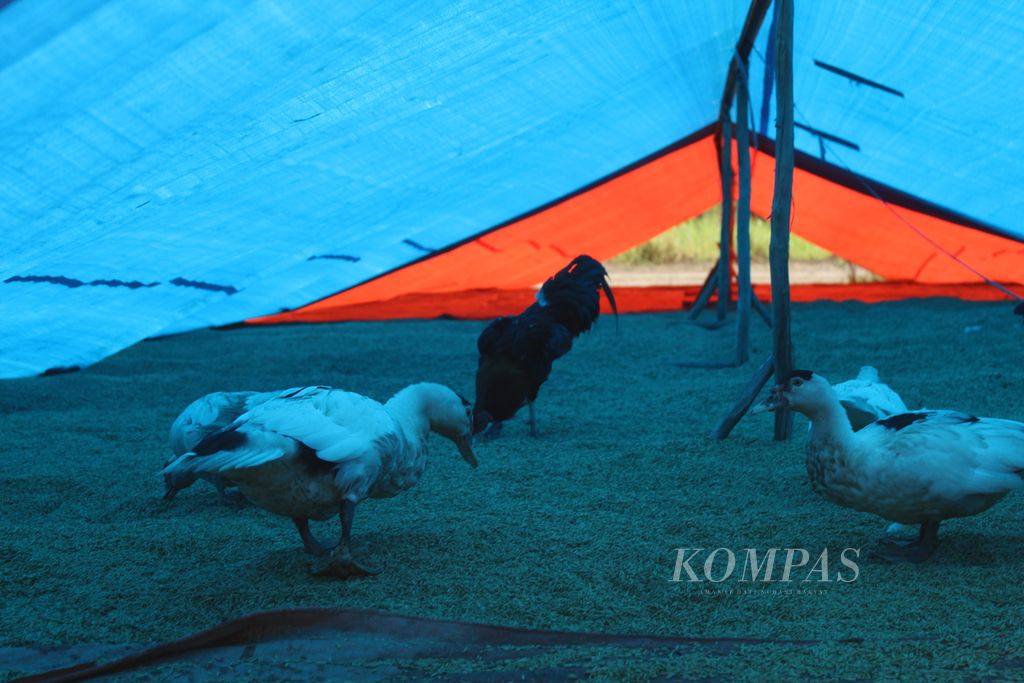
(798, 383)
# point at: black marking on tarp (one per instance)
(182, 282)
(879, 191)
(60, 370)
(74, 283)
(419, 246)
(338, 257)
(828, 136)
(857, 79)
(902, 420)
(307, 118)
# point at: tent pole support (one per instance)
(745, 290)
(748, 34)
(780, 361)
(706, 290)
(725, 236)
(778, 253)
(743, 403)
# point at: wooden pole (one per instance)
(743, 403)
(725, 237)
(743, 223)
(781, 205)
(748, 34)
(705, 293)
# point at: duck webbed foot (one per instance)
(309, 542)
(898, 533)
(916, 551)
(342, 564)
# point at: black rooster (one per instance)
(516, 353)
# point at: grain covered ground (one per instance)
(575, 530)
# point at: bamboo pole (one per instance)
(781, 205)
(725, 237)
(743, 223)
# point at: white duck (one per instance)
(314, 451)
(866, 399)
(914, 468)
(201, 418)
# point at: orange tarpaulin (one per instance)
(632, 206)
(484, 304)
(606, 220)
(878, 236)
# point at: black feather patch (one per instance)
(898, 422)
(969, 419)
(314, 465)
(224, 440)
(296, 392)
(802, 374)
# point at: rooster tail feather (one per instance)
(606, 286)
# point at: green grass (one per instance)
(697, 239)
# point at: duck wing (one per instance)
(866, 399)
(336, 426)
(957, 453)
(211, 413)
(860, 412)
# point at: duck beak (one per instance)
(776, 399)
(465, 445)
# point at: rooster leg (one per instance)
(493, 431)
(533, 420)
(342, 565)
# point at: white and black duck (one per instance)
(867, 398)
(313, 452)
(201, 418)
(918, 467)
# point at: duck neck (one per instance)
(830, 423)
(408, 408)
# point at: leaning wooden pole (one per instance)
(725, 234)
(778, 252)
(746, 399)
(743, 222)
